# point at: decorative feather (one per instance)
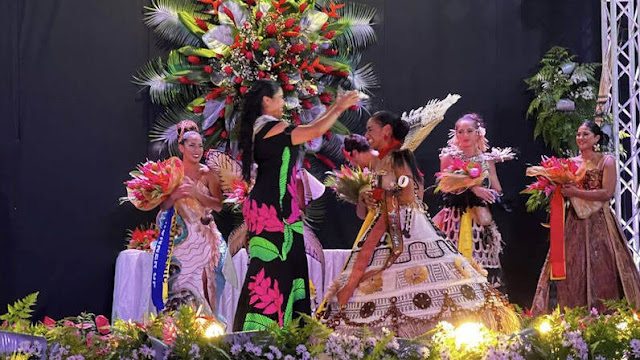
(155, 75)
(424, 119)
(359, 32)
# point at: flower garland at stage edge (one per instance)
(545, 193)
(577, 333)
(312, 48)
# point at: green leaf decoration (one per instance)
(189, 22)
(162, 16)
(297, 293)
(339, 128)
(20, 310)
(263, 249)
(297, 227)
(288, 241)
(284, 169)
(190, 50)
(255, 321)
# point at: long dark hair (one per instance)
(596, 130)
(399, 130)
(251, 110)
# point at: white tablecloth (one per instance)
(132, 287)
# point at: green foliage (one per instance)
(560, 78)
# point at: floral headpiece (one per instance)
(483, 143)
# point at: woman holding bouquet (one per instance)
(465, 218)
(402, 274)
(598, 262)
(276, 288)
(198, 249)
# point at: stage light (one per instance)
(544, 327)
(469, 334)
(214, 329)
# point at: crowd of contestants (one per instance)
(406, 271)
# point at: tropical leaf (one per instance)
(364, 78)
(162, 16)
(253, 321)
(161, 90)
(297, 293)
(263, 249)
(164, 130)
(358, 31)
(20, 310)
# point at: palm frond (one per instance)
(364, 78)
(155, 75)
(164, 130)
(162, 17)
(359, 32)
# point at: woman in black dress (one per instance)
(276, 286)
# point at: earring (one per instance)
(596, 147)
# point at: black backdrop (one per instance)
(74, 125)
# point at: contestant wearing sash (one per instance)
(402, 274)
(195, 277)
(598, 261)
(477, 236)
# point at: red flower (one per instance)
(186, 81)
(272, 51)
(261, 75)
(313, 46)
(328, 134)
(211, 130)
(354, 107)
(102, 324)
(303, 6)
(271, 29)
(325, 98)
(297, 48)
(238, 80)
(249, 55)
(291, 33)
(193, 60)
(255, 45)
(229, 14)
(311, 91)
(222, 112)
(283, 78)
(208, 69)
(296, 28)
(288, 87)
(228, 100)
(293, 61)
(259, 15)
(251, 2)
(214, 94)
(202, 24)
(228, 70)
(307, 104)
(289, 23)
(324, 27)
(49, 322)
(296, 118)
(198, 109)
(330, 34)
(243, 90)
(332, 10)
(331, 52)
(223, 134)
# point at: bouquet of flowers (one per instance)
(142, 237)
(550, 173)
(348, 183)
(240, 190)
(460, 176)
(152, 182)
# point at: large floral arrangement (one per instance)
(550, 173)
(142, 237)
(578, 333)
(565, 96)
(460, 175)
(312, 48)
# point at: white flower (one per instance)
(424, 352)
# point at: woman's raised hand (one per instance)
(346, 100)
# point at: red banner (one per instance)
(556, 248)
